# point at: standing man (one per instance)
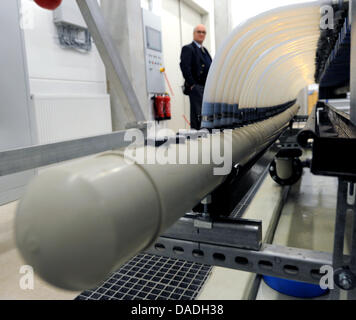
(195, 65)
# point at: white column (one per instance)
(223, 21)
(124, 19)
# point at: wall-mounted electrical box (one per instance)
(71, 27)
(68, 12)
(154, 52)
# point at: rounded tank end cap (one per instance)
(64, 232)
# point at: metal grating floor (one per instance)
(150, 277)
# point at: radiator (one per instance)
(63, 117)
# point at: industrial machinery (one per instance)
(155, 69)
(154, 52)
(79, 222)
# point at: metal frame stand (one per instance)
(237, 244)
(273, 260)
(345, 266)
(352, 18)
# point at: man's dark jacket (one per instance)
(194, 65)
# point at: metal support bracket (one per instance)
(345, 267)
(239, 233)
(352, 13)
(13, 161)
(272, 260)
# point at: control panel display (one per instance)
(154, 39)
(154, 53)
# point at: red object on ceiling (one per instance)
(49, 4)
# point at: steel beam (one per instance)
(345, 267)
(23, 159)
(272, 260)
(239, 233)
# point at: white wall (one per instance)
(68, 76)
(204, 7)
(16, 121)
(52, 68)
(57, 71)
(48, 93)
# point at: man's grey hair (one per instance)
(195, 28)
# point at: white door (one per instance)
(178, 22)
(190, 19)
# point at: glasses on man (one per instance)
(201, 32)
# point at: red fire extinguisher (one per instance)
(167, 107)
(159, 107)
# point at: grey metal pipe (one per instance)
(79, 222)
(284, 168)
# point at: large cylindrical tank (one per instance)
(81, 221)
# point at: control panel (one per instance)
(153, 52)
